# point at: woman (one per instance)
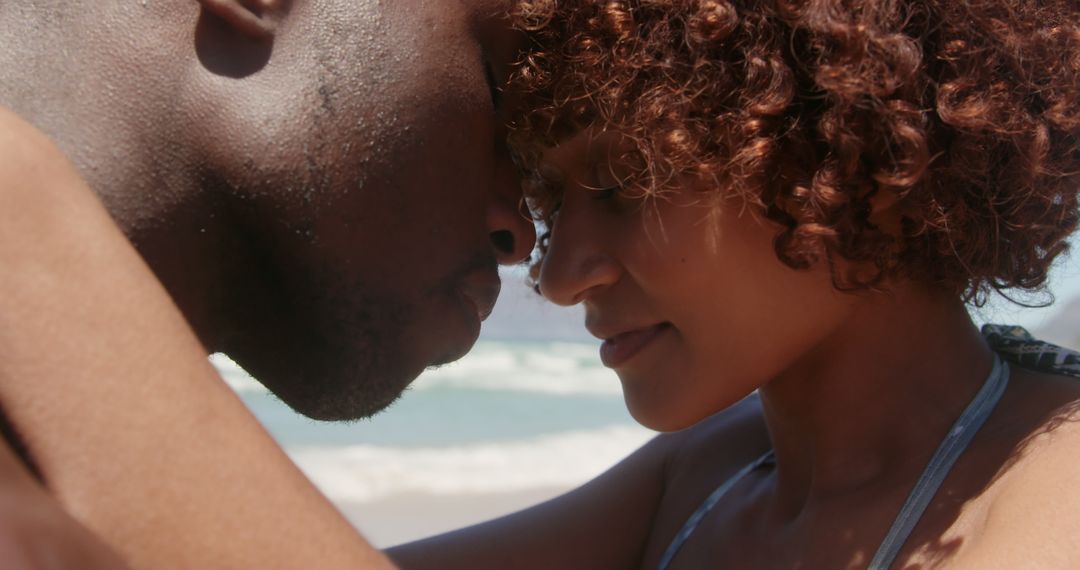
(795, 199)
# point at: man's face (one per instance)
(365, 175)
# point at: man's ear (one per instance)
(254, 18)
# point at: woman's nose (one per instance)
(575, 265)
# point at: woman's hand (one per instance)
(37, 534)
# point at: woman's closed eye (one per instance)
(606, 185)
(606, 193)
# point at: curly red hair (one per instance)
(934, 140)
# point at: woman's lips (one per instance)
(620, 348)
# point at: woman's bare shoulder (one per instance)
(701, 458)
(1032, 515)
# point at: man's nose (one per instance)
(510, 226)
(511, 230)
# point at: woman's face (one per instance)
(694, 308)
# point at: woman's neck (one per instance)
(869, 405)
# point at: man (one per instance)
(320, 185)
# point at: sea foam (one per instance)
(511, 416)
(539, 367)
(363, 473)
(550, 368)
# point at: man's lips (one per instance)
(481, 290)
(619, 348)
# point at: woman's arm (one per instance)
(132, 429)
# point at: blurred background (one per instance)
(527, 415)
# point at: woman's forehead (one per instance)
(587, 147)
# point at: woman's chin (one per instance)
(661, 416)
(673, 406)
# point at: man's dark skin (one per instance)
(320, 185)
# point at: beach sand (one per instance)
(409, 517)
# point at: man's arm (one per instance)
(130, 425)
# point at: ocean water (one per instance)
(511, 416)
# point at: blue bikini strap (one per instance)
(705, 507)
(950, 449)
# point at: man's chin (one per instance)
(338, 413)
(371, 391)
(356, 372)
(347, 400)
(346, 386)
